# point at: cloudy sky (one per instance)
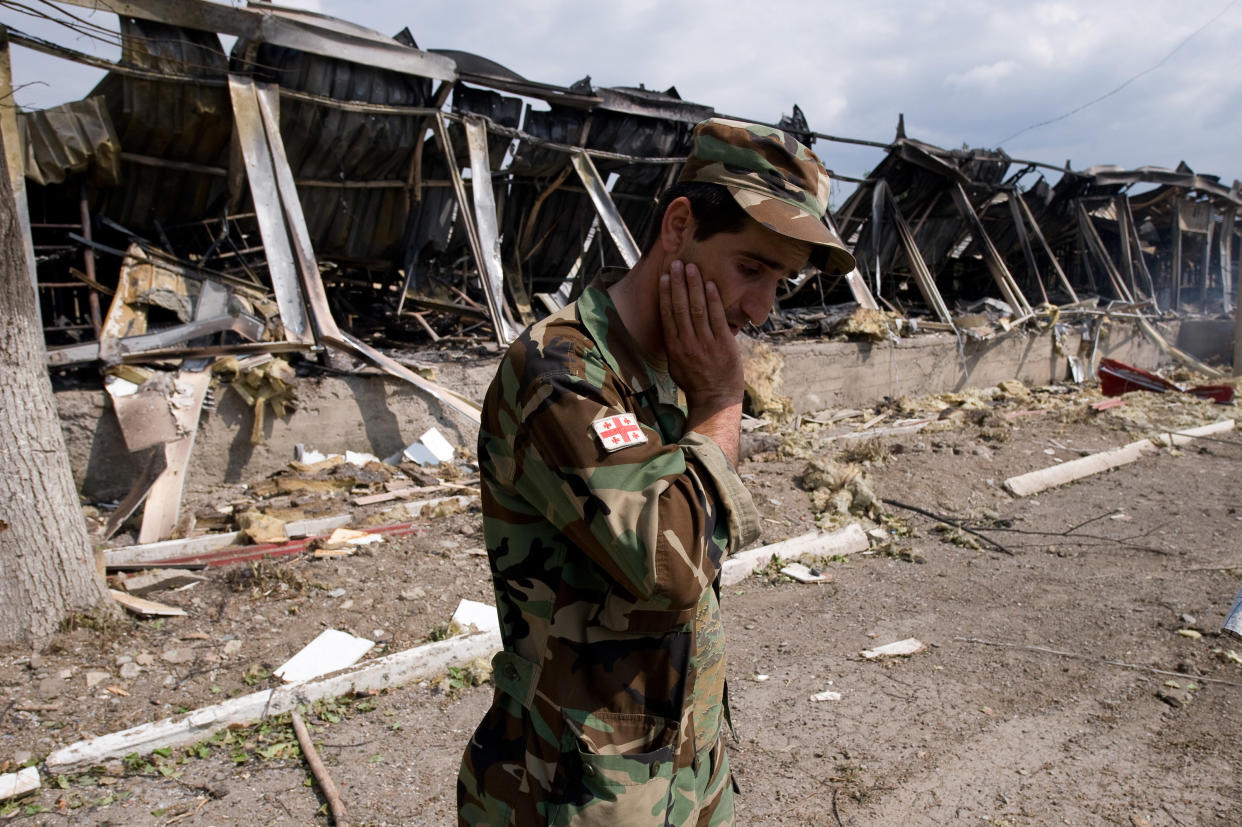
(1155, 82)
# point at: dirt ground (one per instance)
(1043, 696)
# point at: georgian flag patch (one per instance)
(620, 431)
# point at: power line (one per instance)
(1109, 94)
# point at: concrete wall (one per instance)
(382, 415)
(819, 375)
(368, 413)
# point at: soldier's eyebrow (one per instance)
(769, 262)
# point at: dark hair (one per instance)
(712, 206)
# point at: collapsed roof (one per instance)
(378, 194)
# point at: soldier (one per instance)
(607, 451)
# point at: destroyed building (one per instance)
(326, 193)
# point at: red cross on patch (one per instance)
(620, 431)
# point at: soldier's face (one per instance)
(747, 267)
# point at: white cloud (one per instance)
(962, 71)
(985, 76)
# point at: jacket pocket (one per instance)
(623, 614)
(625, 770)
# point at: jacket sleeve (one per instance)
(656, 517)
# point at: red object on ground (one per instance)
(1117, 378)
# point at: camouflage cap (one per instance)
(774, 178)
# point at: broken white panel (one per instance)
(13, 784)
(909, 646)
(437, 445)
(331, 651)
(431, 449)
(480, 615)
(118, 387)
(307, 456)
(826, 695)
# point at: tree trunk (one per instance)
(47, 568)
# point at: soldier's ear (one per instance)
(677, 226)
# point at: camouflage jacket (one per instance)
(603, 564)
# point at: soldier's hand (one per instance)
(703, 357)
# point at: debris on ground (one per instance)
(900, 648)
(1117, 378)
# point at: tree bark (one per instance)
(47, 568)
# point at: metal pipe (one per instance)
(88, 260)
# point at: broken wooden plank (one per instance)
(143, 410)
(419, 508)
(326, 785)
(843, 541)
(145, 608)
(421, 662)
(1033, 482)
(449, 398)
(196, 546)
(399, 494)
(169, 549)
(318, 526)
(159, 515)
(153, 467)
(145, 582)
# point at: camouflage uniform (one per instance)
(608, 691)
(606, 523)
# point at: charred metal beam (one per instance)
(493, 282)
(1137, 245)
(1096, 245)
(922, 275)
(1206, 272)
(1024, 240)
(1226, 257)
(265, 193)
(1120, 207)
(606, 208)
(245, 325)
(995, 264)
(1176, 231)
(307, 268)
(486, 218)
(285, 27)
